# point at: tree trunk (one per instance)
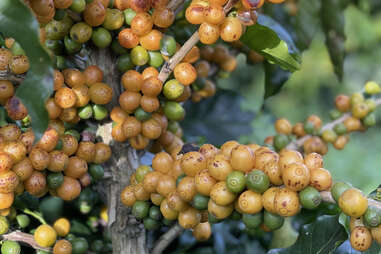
(128, 235)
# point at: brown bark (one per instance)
(128, 235)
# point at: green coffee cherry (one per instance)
(141, 171)
(372, 87)
(173, 126)
(114, 19)
(369, 120)
(372, 217)
(101, 37)
(85, 112)
(124, 63)
(4, 225)
(54, 180)
(96, 172)
(71, 45)
(200, 202)
(139, 56)
(78, 6)
(142, 115)
(81, 32)
(338, 188)
(257, 181)
(280, 141)
(150, 224)
(140, 209)
(16, 49)
(357, 98)
(10, 247)
(252, 220)
(80, 245)
(173, 89)
(329, 136)
(340, 129)
(154, 213)
(335, 114)
(310, 198)
(236, 181)
(309, 128)
(155, 59)
(70, 237)
(100, 112)
(272, 221)
(371, 104)
(129, 15)
(174, 111)
(23, 220)
(168, 45)
(117, 48)
(60, 62)
(56, 46)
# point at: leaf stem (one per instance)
(36, 215)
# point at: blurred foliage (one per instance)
(17, 21)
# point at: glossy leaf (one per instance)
(271, 40)
(275, 78)
(17, 21)
(218, 119)
(332, 16)
(320, 237)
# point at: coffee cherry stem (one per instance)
(175, 4)
(296, 144)
(167, 238)
(36, 215)
(18, 236)
(170, 65)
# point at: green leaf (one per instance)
(376, 194)
(218, 119)
(17, 21)
(306, 23)
(271, 40)
(275, 78)
(344, 221)
(320, 237)
(332, 17)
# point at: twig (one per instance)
(14, 78)
(175, 4)
(73, 15)
(19, 236)
(296, 144)
(168, 67)
(327, 197)
(167, 238)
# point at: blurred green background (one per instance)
(312, 91)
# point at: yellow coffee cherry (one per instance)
(353, 203)
(372, 87)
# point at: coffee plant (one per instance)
(120, 126)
